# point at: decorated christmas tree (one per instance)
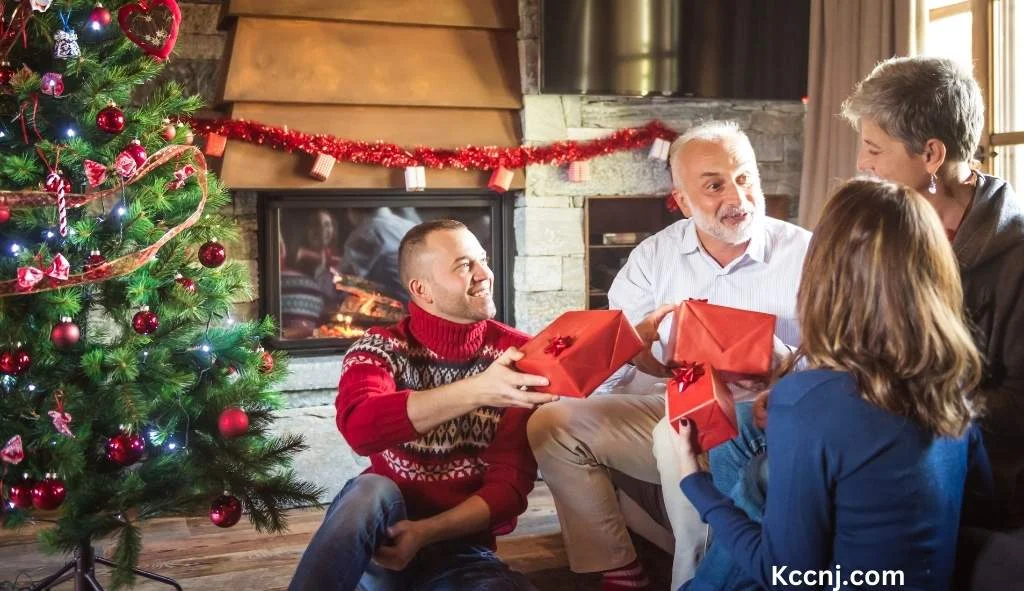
(127, 391)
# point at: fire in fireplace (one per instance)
(329, 261)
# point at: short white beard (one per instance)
(734, 236)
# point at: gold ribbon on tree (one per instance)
(122, 265)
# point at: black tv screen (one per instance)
(733, 49)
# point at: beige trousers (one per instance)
(576, 441)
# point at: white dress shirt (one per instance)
(673, 266)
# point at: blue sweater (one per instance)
(851, 487)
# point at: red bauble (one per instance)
(168, 132)
(48, 493)
(186, 283)
(266, 362)
(233, 422)
(7, 363)
(225, 511)
(95, 260)
(15, 363)
(65, 334)
(20, 493)
(6, 73)
(212, 254)
(111, 120)
(5, 214)
(137, 152)
(54, 183)
(145, 321)
(99, 18)
(125, 448)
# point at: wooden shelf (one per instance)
(639, 215)
(610, 246)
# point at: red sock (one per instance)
(625, 578)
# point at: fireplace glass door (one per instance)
(331, 261)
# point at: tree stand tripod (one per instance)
(83, 571)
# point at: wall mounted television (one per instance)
(727, 49)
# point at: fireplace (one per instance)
(329, 260)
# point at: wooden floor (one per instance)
(202, 557)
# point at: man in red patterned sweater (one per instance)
(436, 405)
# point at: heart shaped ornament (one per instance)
(152, 25)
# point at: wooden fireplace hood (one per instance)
(443, 73)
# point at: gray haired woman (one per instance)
(920, 121)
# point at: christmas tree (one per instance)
(127, 392)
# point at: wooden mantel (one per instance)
(443, 73)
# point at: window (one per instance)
(1006, 114)
(981, 32)
(949, 30)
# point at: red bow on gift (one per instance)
(180, 176)
(687, 374)
(29, 277)
(13, 452)
(557, 345)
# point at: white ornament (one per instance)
(40, 5)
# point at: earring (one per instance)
(932, 187)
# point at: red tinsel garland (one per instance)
(470, 157)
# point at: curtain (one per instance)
(847, 39)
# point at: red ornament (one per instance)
(99, 18)
(20, 493)
(125, 448)
(65, 334)
(185, 283)
(48, 493)
(212, 254)
(148, 22)
(110, 119)
(266, 362)
(95, 260)
(5, 214)
(225, 510)
(145, 321)
(136, 150)
(7, 363)
(55, 181)
(6, 73)
(168, 132)
(15, 363)
(233, 422)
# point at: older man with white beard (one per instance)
(727, 252)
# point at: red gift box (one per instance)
(579, 350)
(698, 394)
(728, 339)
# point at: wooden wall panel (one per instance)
(303, 61)
(247, 166)
(485, 14)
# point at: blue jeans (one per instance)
(355, 525)
(739, 468)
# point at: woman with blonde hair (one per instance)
(872, 444)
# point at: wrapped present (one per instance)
(697, 393)
(322, 167)
(659, 149)
(579, 350)
(579, 171)
(215, 144)
(501, 179)
(728, 339)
